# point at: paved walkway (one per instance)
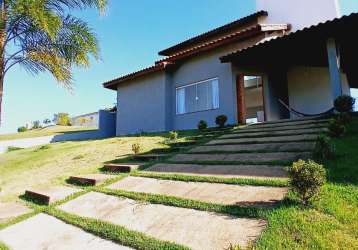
(197, 229)
(43, 232)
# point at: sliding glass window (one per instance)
(197, 97)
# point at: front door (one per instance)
(250, 100)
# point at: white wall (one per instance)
(309, 89)
(299, 13)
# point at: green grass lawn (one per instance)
(53, 130)
(51, 165)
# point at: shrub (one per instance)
(344, 103)
(22, 129)
(136, 148)
(63, 119)
(221, 120)
(336, 129)
(324, 149)
(344, 118)
(173, 135)
(307, 178)
(202, 125)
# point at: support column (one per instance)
(334, 68)
(240, 94)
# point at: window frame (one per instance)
(196, 84)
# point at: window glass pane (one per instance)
(190, 99)
(204, 97)
(181, 101)
(215, 93)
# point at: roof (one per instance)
(113, 83)
(204, 36)
(234, 37)
(341, 24)
(164, 63)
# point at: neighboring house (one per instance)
(245, 70)
(86, 120)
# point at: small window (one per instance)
(196, 97)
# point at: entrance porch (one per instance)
(304, 71)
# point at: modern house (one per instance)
(297, 54)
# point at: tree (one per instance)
(62, 119)
(41, 36)
(46, 121)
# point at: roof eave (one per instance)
(169, 51)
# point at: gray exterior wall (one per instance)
(198, 69)
(142, 105)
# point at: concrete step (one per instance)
(50, 195)
(242, 157)
(90, 179)
(265, 147)
(46, 232)
(287, 123)
(272, 139)
(251, 129)
(222, 171)
(121, 168)
(275, 133)
(149, 157)
(195, 229)
(206, 192)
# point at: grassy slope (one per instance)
(36, 167)
(331, 222)
(54, 130)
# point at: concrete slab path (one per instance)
(265, 147)
(44, 232)
(9, 210)
(224, 171)
(206, 192)
(291, 138)
(196, 229)
(241, 157)
(251, 129)
(288, 123)
(276, 133)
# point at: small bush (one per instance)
(307, 178)
(136, 148)
(22, 129)
(324, 149)
(344, 103)
(336, 128)
(221, 120)
(344, 118)
(202, 125)
(173, 135)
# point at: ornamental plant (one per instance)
(344, 104)
(221, 120)
(307, 179)
(336, 128)
(173, 135)
(324, 149)
(136, 148)
(202, 125)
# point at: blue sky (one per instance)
(131, 33)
